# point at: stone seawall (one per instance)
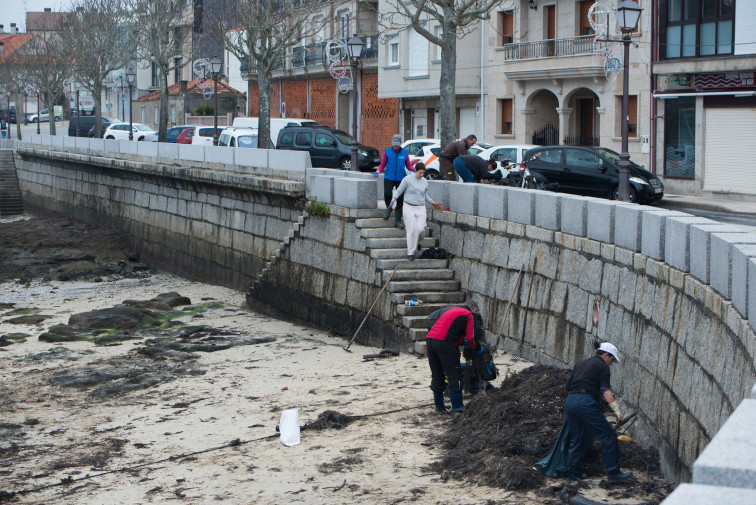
(214, 226)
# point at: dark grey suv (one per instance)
(328, 147)
(591, 171)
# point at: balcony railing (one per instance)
(247, 70)
(549, 48)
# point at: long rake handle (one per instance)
(509, 304)
(527, 303)
(371, 308)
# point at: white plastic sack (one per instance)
(289, 427)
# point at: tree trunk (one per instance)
(163, 118)
(264, 90)
(19, 114)
(447, 89)
(97, 97)
(50, 112)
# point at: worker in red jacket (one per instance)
(455, 327)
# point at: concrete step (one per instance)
(415, 322)
(393, 243)
(383, 232)
(404, 263)
(395, 254)
(418, 286)
(418, 334)
(419, 310)
(430, 297)
(375, 222)
(420, 274)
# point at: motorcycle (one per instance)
(519, 176)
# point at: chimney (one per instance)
(2, 29)
(182, 86)
(13, 28)
(48, 9)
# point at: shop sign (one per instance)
(679, 79)
(725, 80)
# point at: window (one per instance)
(679, 137)
(419, 55)
(438, 31)
(157, 115)
(304, 138)
(697, 27)
(176, 70)
(144, 115)
(324, 140)
(393, 51)
(173, 114)
(582, 159)
(583, 24)
(344, 25)
(551, 156)
(505, 109)
(505, 153)
(286, 139)
(632, 116)
(506, 27)
(154, 75)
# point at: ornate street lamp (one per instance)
(38, 113)
(78, 109)
(215, 68)
(355, 46)
(130, 78)
(628, 14)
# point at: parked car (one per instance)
(328, 147)
(8, 115)
(514, 153)
(43, 116)
(120, 131)
(276, 123)
(592, 171)
(414, 148)
(240, 137)
(197, 135)
(86, 125)
(430, 159)
(171, 135)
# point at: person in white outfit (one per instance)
(415, 190)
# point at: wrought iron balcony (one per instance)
(550, 48)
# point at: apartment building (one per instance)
(303, 86)
(704, 108)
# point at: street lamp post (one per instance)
(215, 68)
(628, 14)
(130, 77)
(355, 45)
(38, 113)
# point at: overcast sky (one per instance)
(13, 11)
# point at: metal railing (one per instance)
(576, 140)
(549, 48)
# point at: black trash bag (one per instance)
(433, 253)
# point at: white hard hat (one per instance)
(607, 347)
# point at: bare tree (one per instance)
(457, 19)
(96, 43)
(158, 29)
(12, 79)
(263, 33)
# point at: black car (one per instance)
(328, 147)
(86, 123)
(591, 171)
(8, 116)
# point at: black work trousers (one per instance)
(443, 358)
(388, 186)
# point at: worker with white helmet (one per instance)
(590, 379)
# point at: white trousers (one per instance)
(414, 224)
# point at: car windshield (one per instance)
(142, 128)
(474, 150)
(247, 140)
(343, 137)
(608, 153)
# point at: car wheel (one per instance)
(433, 175)
(35, 120)
(633, 194)
(57, 118)
(140, 139)
(110, 137)
(345, 163)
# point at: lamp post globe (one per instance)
(215, 68)
(355, 45)
(628, 15)
(130, 78)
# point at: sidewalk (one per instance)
(711, 204)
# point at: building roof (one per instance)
(11, 42)
(46, 21)
(191, 89)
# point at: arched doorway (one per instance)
(584, 125)
(544, 120)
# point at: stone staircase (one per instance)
(430, 280)
(11, 203)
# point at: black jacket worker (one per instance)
(590, 379)
(472, 168)
(454, 327)
(450, 152)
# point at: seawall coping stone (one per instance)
(521, 205)
(110, 145)
(190, 152)
(742, 285)
(720, 251)
(492, 201)
(573, 215)
(219, 154)
(146, 148)
(677, 240)
(439, 192)
(126, 147)
(57, 141)
(548, 210)
(97, 144)
(282, 159)
(250, 157)
(168, 151)
(321, 189)
(697, 494)
(354, 193)
(730, 457)
(700, 258)
(752, 296)
(78, 143)
(463, 198)
(600, 220)
(653, 231)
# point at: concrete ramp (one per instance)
(11, 203)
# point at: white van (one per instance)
(276, 123)
(238, 137)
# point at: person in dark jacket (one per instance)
(454, 327)
(590, 379)
(394, 161)
(453, 150)
(472, 168)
